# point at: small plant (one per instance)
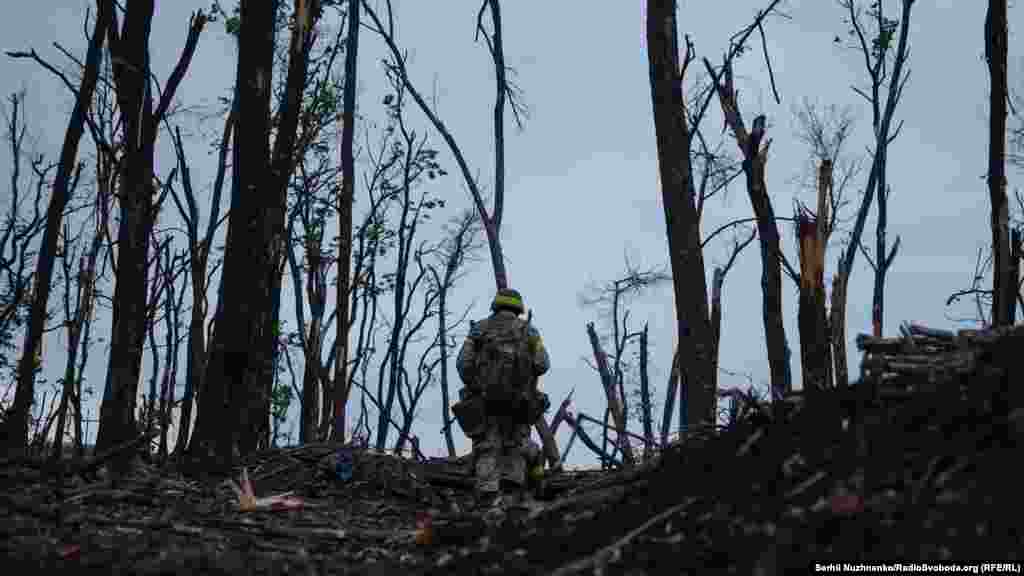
(280, 400)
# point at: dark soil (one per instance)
(930, 477)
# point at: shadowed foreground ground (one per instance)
(916, 477)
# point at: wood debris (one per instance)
(920, 475)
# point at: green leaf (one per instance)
(233, 25)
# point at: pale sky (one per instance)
(581, 177)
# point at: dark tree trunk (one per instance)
(645, 396)
(837, 325)
(1015, 256)
(128, 331)
(717, 280)
(615, 408)
(681, 220)
(272, 219)
(882, 121)
(755, 159)
(670, 397)
(442, 334)
(130, 52)
(811, 314)
(195, 365)
(231, 387)
(1004, 286)
(348, 118)
(310, 380)
(15, 433)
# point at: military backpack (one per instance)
(504, 369)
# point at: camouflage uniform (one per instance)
(499, 453)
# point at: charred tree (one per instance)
(230, 393)
(505, 93)
(241, 357)
(755, 159)
(885, 92)
(681, 218)
(831, 172)
(1004, 283)
(348, 120)
(199, 253)
(458, 249)
(15, 433)
(612, 395)
(811, 313)
(129, 49)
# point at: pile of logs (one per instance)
(924, 358)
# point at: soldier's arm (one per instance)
(467, 355)
(541, 360)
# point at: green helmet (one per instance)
(508, 299)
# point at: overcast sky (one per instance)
(582, 190)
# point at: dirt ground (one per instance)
(930, 478)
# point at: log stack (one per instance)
(923, 359)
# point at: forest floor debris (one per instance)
(912, 479)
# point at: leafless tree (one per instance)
(1004, 282)
(981, 296)
(826, 131)
(755, 158)
(200, 243)
(454, 253)
(244, 344)
(416, 162)
(139, 207)
(830, 171)
(79, 311)
(717, 283)
(887, 81)
(347, 194)
(19, 230)
(505, 92)
(172, 305)
(15, 433)
(611, 300)
(681, 216)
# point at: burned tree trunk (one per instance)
(199, 248)
(837, 326)
(1004, 284)
(681, 218)
(754, 160)
(229, 395)
(15, 433)
(811, 236)
(348, 178)
(128, 330)
(716, 319)
(612, 394)
(645, 396)
(670, 397)
(813, 339)
(130, 53)
(876, 55)
(1015, 258)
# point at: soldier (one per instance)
(499, 363)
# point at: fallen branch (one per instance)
(559, 416)
(609, 551)
(589, 442)
(96, 461)
(583, 416)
